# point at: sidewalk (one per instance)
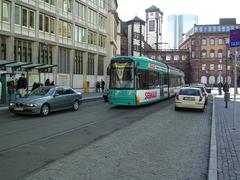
(92, 96)
(227, 144)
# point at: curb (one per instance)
(87, 99)
(212, 169)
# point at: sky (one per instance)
(208, 11)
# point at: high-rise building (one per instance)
(77, 36)
(178, 25)
(154, 21)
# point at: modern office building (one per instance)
(78, 36)
(154, 21)
(178, 25)
(210, 56)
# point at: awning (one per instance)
(5, 62)
(16, 64)
(31, 66)
(45, 66)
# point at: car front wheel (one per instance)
(75, 105)
(45, 110)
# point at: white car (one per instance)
(190, 97)
(203, 89)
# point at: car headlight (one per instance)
(12, 104)
(32, 105)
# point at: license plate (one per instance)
(189, 98)
(18, 109)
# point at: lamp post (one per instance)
(226, 63)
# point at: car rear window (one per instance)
(190, 92)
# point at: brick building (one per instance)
(210, 57)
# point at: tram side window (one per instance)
(147, 79)
(165, 80)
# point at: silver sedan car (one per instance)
(46, 99)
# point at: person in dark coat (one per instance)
(22, 85)
(47, 82)
(102, 85)
(226, 93)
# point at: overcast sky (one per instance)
(208, 11)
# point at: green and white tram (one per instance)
(140, 80)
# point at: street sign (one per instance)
(234, 40)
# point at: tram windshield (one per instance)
(122, 75)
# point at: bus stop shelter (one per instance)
(23, 67)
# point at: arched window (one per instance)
(203, 53)
(220, 55)
(220, 79)
(212, 53)
(204, 79)
(229, 79)
(204, 41)
(212, 41)
(211, 80)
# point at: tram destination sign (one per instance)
(234, 38)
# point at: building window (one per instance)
(2, 47)
(220, 54)
(92, 37)
(52, 25)
(193, 54)
(219, 67)
(65, 29)
(203, 67)
(92, 16)
(78, 63)
(212, 54)
(17, 15)
(66, 5)
(63, 60)
(90, 64)
(81, 11)
(80, 34)
(204, 41)
(23, 50)
(193, 42)
(228, 68)
(212, 41)
(100, 65)
(220, 41)
(40, 22)
(151, 25)
(45, 54)
(168, 57)
(211, 66)
(46, 23)
(24, 17)
(204, 54)
(102, 22)
(31, 19)
(176, 57)
(102, 4)
(102, 41)
(6, 11)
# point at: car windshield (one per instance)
(190, 92)
(42, 91)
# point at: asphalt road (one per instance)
(27, 143)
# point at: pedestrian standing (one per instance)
(22, 85)
(98, 86)
(47, 82)
(11, 88)
(226, 94)
(102, 85)
(220, 88)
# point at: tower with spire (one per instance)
(154, 21)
